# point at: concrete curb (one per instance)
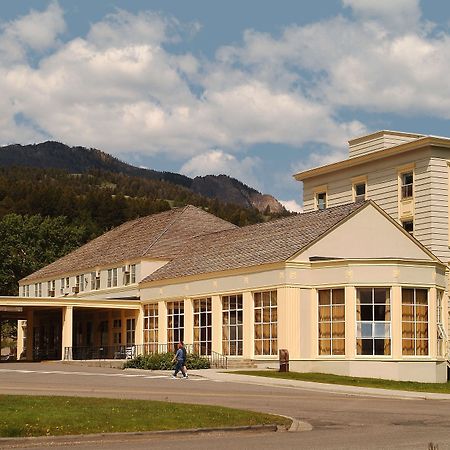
(84, 438)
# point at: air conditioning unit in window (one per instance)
(126, 269)
(76, 289)
(51, 293)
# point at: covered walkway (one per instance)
(65, 328)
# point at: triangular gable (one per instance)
(367, 234)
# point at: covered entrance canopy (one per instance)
(67, 328)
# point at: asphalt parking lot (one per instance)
(337, 419)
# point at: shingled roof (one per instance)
(253, 245)
(161, 235)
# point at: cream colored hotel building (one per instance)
(356, 285)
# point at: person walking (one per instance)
(179, 358)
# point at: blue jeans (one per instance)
(179, 368)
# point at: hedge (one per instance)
(163, 361)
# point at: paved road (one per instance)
(338, 420)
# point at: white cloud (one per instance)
(398, 14)
(119, 88)
(36, 31)
(218, 162)
(291, 205)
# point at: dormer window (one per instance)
(321, 200)
(407, 179)
(360, 192)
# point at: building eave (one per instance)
(374, 156)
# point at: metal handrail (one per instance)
(217, 360)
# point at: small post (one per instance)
(284, 360)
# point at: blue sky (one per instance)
(256, 89)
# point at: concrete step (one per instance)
(241, 364)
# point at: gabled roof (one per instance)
(159, 236)
(253, 245)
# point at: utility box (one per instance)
(284, 360)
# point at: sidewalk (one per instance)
(221, 375)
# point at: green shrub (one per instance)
(163, 361)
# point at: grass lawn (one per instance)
(442, 388)
(49, 416)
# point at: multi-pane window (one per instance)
(175, 324)
(131, 331)
(202, 325)
(266, 323)
(407, 180)
(151, 327)
(321, 200)
(93, 274)
(359, 191)
(51, 288)
(39, 290)
(331, 322)
(28, 290)
(232, 333)
(117, 331)
(112, 277)
(415, 321)
(133, 273)
(63, 283)
(373, 321)
(24, 291)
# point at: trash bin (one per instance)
(284, 360)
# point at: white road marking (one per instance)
(90, 374)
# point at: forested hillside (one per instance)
(82, 206)
(55, 155)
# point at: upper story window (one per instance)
(407, 179)
(408, 225)
(112, 277)
(321, 200)
(133, 273)
(359, 191)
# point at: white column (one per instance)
(20, 337)
(29, 344)
(350, 322)
(162, 322)
(67, 329)
(432, 323)
(139, 331)
(396, 322)
(216, 306)
(188, 321)
(248, 325)
(291, 323)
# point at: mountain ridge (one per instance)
(78, 159)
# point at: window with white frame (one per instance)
(28, 290)
(112, 277)
(266, 323)
(331, 315)
(373, 321)
(39, 290)
(321, 200)
(133, 273)
(175, 324)
(415, 321)
(131, 331)
(63, 283)
(407, 183)
(151, 316)
(202, 325)
(232, 321)
(359, 191)
(117, 331)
